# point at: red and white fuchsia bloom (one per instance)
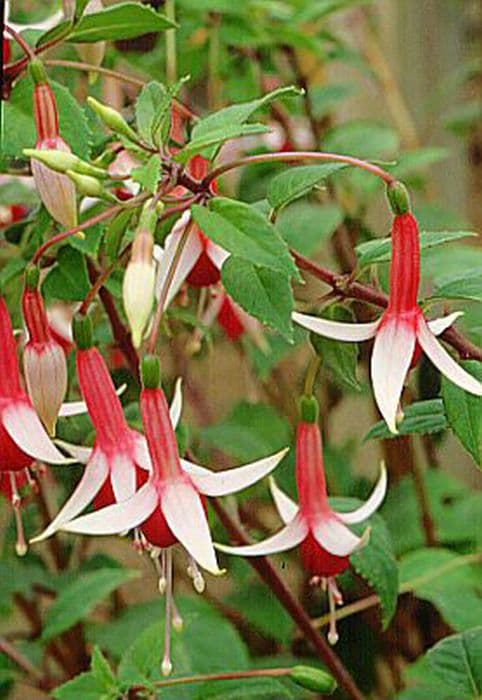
(44, 363)
(400, 330)
(169, 507)
(325, 542)
(56, 190)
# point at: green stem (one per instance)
(311, 373)
(171, 57)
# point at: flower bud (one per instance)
(313, 679)
(61, 161)
(88, 186)
(309, 409)
(112, 119)
(83, 332)
(398, 198)
(44, 362)
(151, 372)
(139, 284)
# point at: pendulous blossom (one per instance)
(169, 507)
(56, 190)
(325, 542)
(401, 329)
(44, 363)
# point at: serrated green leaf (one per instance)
(306, 226)
(153, 113)
(123, 21)
(85, 686)
(421, 418)
(101, 669)
(60, 31)
(464, 411)
(380, 250)
(467, 286)
(458, 661)
(263, 610)
(298, 181)
(446, 579)
(68, 279)
(204, 144)
(77, 599)
(263, 293)
(149, 174)
(244, 232)
(19, 126)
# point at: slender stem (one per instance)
(297, 156)
(270, 576)
(232, 676)
(28, 51)
(18, 658)
(311, 373)
(171, 57)
(421, 494)
(102, 279)
(151, 344)
(88, 68)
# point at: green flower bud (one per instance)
(53, 159)
(309, 409)
(398, 198)
(313, 679)
(32, 274)
(151, 372)
(112, 119)
(82, 331)
(89, 186)
(37, 71)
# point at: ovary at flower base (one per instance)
(169, 507)
(401, 329)
(325, 541)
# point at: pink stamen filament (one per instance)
(166, 666)
(21, 544)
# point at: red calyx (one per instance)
(229, 320)
(318, 562)
(204, 273)
(6, 50)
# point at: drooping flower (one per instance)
(169, 507)
(326, 543)
(10, 214)
(400, 330)
(44, 363)
(56, 190)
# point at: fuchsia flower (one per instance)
(44, 362)
(325, 542)
(400, 330)
(56, 190)
(169, 507)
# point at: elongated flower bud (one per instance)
(140, 277)
(56, 191)
(61, 161)
(112, 119)
(88, 186)
(44, 361)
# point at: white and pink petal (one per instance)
(348, 332)
(287, 538)
(371, 505)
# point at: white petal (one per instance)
(336, 538)
(439, 325)
(81, 454)
(191, 251)
(123, 477)
(337, 330)
(75, 408)
(391, 358)
(118, 517)
(217, 254)
(371, 505)
(232, 480)
(142, 456)
(184, 513)
(287, 538)
(175, 408)
(93, 478)
(444, 362)
(24, 427)
(286, 508)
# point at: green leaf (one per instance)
(101, 669)
(123, 21)
(262, 609)
(380, 250)
(19, 126)
(421, 418)
(323, 8)
(306, 226)
(375, 563)
(467, 286)
(251, 431)
(60, 31)
(339, 358)
(85, 686)
(464, 412)
(204, 143)
(447, 580)
(326, 97)
(153, 113)
(298, 181)
(149, 174)
(458, 661)
(245, 233)
(68, 280)
(413, 161)
(78, 599)
(263, 293)
(362, 139)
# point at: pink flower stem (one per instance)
(270, 576)
(28, 51)
(297, 156)
(234, 675)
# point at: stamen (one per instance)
(334, 598)
(166, 666)
(177, 621)
(138, 541)
(21, 544)
(197, 578)
(33, 485)
(160, 568)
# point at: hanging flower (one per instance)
(10, 214)
(56, 190)
(325, 542)
(169, 507)
(44, 362)
(400, 330)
